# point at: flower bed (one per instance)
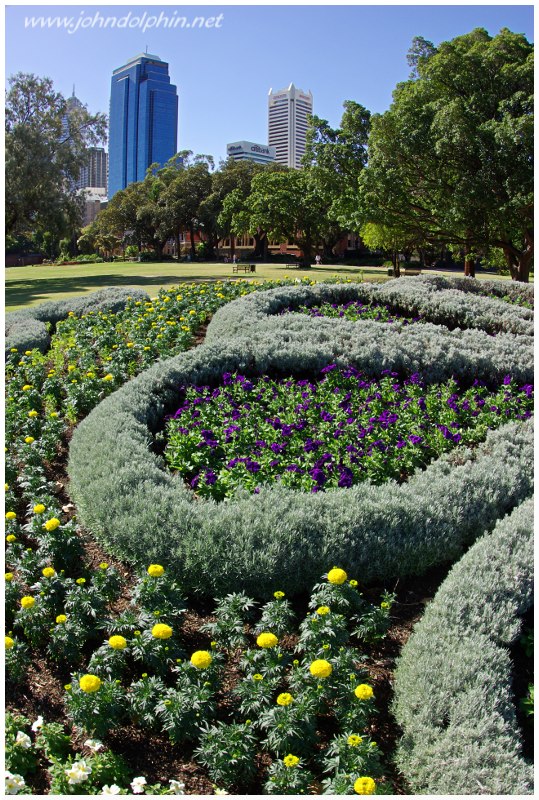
(137, 509)
(332, 432)
(453, 695)
(452, 304)
(299, 702)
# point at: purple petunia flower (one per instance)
(415, 439)
(346, 478)
(210, 477)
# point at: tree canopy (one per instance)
(46, 144)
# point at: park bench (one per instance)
(243, 267)
(295, 265)
(411, 270)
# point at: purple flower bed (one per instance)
(355, 310)
(331, 432)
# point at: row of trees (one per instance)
(449, 166)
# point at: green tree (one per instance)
(452, 157)
(334, 158)
(46, 144)
(289, 207)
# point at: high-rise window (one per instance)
(143, 124)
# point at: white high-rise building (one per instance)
(288, 110)
(251, 151)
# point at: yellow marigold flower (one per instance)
(39, 508)
(81, 581)
(385, 605)
(8, 576)
(27, 601)
(278, 595)
(48, 572)
(363, 691)
(201, 659)
(32, 414)
(61, 618)
(108, 377)
(354, 740)
(90, 683)
(103, 565)
(11, 538)
(26, 387)
(161, 631)
(29, 439)
(51, 524)
(353, 583)
(70, 368)
(321, 668)
(290, 761)
(364, 786)
(267, 640)
(90, 374)
(156, 570)
(337, 576)
(54, 414)
(9, 642)
(284, 699)
(11, 515)
(6, 486)
(13, 349)
(118, 642)
(67, 687)
(323, 610)
(258, 677)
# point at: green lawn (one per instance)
(29, 286)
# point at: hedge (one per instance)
(29, 328)
(431, 298)
(453, 695)
(258, 543)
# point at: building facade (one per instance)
(143, 121)
(288, 112)
(94, 174)
(250, 151)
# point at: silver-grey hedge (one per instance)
(27, 329)
(281, 537)
(440, 301)
(453, 695)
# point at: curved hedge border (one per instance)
(442, 304)
(513, 290)
(260, 542)
(27, 329)
(453, 679)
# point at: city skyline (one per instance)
(224, 69)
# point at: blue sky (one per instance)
(224, 71)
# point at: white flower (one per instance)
(93, 744)
(38, 724)
(220, 791)
(113, 789)
(138, 784)
(78, 772)
(14, 783)
(23, 740)
(177, 787)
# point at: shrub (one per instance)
(139, 511)
(440, 303)
(453, 680)
(27, 329)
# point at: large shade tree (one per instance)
(451, 160)
(46, 144)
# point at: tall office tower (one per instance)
(288, 110)
(143, 122)
(94, 174)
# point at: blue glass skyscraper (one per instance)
(143, 123)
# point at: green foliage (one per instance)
(284, 779)
(96, 712)
(232, 613)
(88, 775)
(526, 703)
(228, 751)
(453, 679)
(20, 755)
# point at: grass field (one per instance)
(29, 286)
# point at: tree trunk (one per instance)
(192, 234)
(519, 261)
(306, 246)
(261, 245)
(396, 264)
(469, 263)
(232, 245)
(177, 245)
